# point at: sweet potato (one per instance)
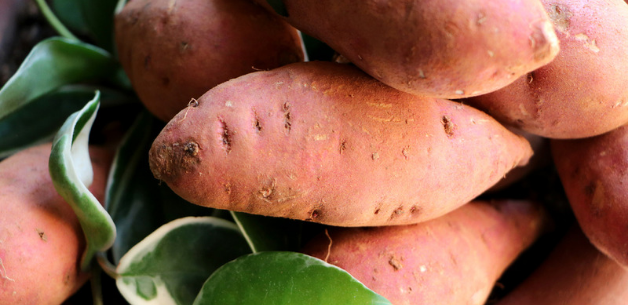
(41, 240)
(575, 274)
(325, 142)
(173, 51)
(595, 177)
(581, 93)
(436, 48)
(542, 157)
(454, 259)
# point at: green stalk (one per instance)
(54, 21)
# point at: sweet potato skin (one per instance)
(581, 93)
(576, 273)
(454, 259)
(174, 51)
(594, 176)
(327, 143)
(41, 240)
(434, 48)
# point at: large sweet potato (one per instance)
(594, 173)
(575, 274)
(433, 48)
(325, 142)
(41, 240)
(581, 93)
(177, 50)
(452, 260)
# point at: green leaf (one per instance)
(93, 18)
(278, 278)
(71, 171)
(136, 201)
(70, 14)
(272, 234)
(51, 64)
(54, 21)
(19, 130)
(171, 264)
(98, 16)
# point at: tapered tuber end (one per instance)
(544, 41)
(168, 161)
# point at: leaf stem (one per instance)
(54, 21)
(106, 265)
(96, 283)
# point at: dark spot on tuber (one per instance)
(165, 81)
(343, 146)
(287, 117)
(184, 46)
(42, 235)
(191, 148)
(416, 210)
(314, 214)
(530, 77)
(448, 126)
(258, 125)
(225, 136)
(397, 212)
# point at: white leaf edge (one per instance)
(147, 245)
(80, 170)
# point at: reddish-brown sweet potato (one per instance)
(581, 93)
(177, 50)
(452, 260)
(41, 240)
(575, 274)
(594, 173)
(542, 157)
(433, 48)
(325, 142)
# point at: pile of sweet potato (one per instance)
(399, 144)
(377, 143)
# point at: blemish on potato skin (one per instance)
(225, 136)
(42, 235)
(267, 193)
(406, 152)
(314, 214)
(191, 148)
(287, 117)
(184, 46)
(395, 263)
(560, 16)
(415, 210)
(397, 212)
(448, 126)
(342, 147)
(169, 162)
